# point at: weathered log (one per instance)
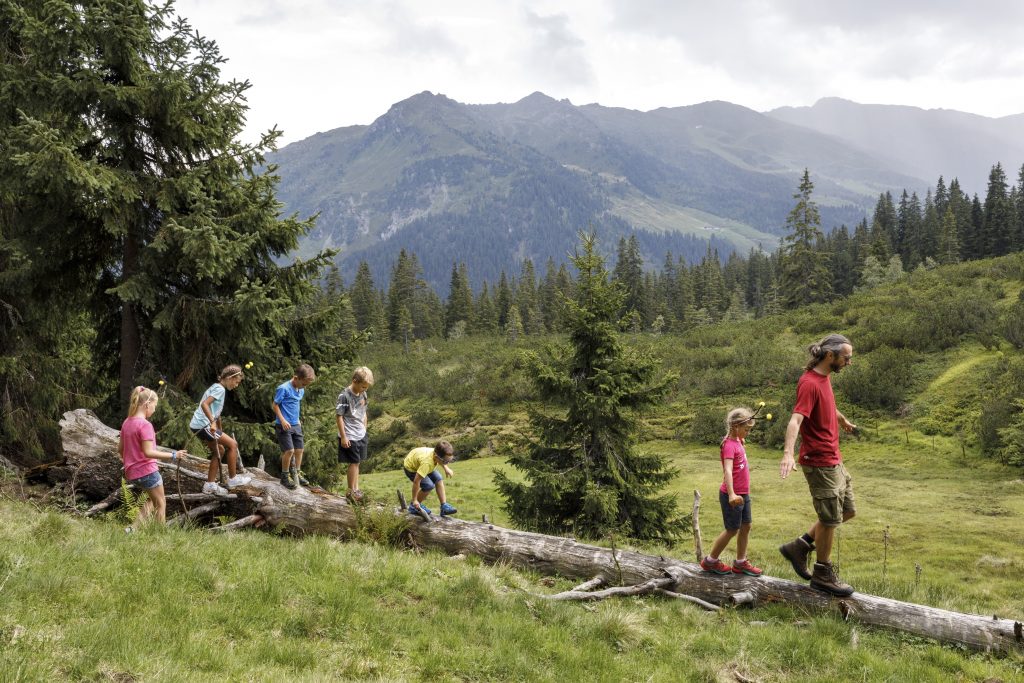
(305, 511)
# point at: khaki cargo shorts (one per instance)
(832, 490)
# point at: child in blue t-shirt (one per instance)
(288, 426)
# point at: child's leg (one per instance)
(145, 511)
(441, 497)
(159, 503)
(286, 461)
(297, 457)
(741, 542)
(722, 541)
(352, 476)
(230, 448)
(214, 472)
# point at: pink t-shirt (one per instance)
(732, 449)
(134, 431)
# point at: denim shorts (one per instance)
(290, 440)
(735, 517)
(355, 453)
(428, 482)
(150, 481)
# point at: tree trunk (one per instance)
(91, 447)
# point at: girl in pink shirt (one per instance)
(137, 447)
(734, 497)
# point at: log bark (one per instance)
(89, 444)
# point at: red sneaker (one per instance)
(745, 567)
(715, 566)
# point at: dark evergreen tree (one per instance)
(998, 222)
(805, 276)
(365, 299)
(132, 216)
(948, 247)
(629, 272)
(459, 308)
(582, 474)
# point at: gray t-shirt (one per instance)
(352, 408)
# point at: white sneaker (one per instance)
(238, 480)
(214, 488)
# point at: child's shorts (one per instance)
(148, 482)
(290, 440)
(735, 517)
(355, 453)
(428, 482)
(208, 434)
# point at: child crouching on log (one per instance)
(419, 467)
(734, 496)
(137, 447)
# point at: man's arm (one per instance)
(788, 461)
(844, 423)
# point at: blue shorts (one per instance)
(150, 481)
(734, 517)
(290, 440)
(428, 482)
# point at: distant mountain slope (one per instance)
(920, 142)
(494, 184)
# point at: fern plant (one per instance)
(132, 502)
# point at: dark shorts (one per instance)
(428, 482)
(355, 453)
(205, 434)
(832, 490)
(290, 440)
(735, 517)
(150, 481)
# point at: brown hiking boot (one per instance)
(825, 579)
(796, 552)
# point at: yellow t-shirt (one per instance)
(420, 460)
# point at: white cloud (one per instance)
(321, 64)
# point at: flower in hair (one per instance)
(768, 416)
(248, 365)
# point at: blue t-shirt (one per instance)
(288, 398)
(199, 419)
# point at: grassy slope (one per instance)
(83, 601)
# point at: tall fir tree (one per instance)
(997, 225)
(133, 215)
(460, 299)
(805, 276)
(582, 474)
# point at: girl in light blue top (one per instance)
(207, 426)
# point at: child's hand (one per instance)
(448, 472)
(735, 500)
(286, 425)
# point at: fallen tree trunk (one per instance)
(89, 444)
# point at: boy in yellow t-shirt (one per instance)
(419, 466)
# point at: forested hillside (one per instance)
(493, 185)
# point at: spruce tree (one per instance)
(582, 474)
(805, 277)
(131, 209)
(460, 298)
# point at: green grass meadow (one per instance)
(82, 600)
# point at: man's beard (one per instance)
(836, 367)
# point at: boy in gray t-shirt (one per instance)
(352, 437)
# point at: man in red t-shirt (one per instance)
(817, 421)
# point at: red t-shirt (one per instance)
(819, 432)
(732, 449)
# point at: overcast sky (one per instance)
(321, 64)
